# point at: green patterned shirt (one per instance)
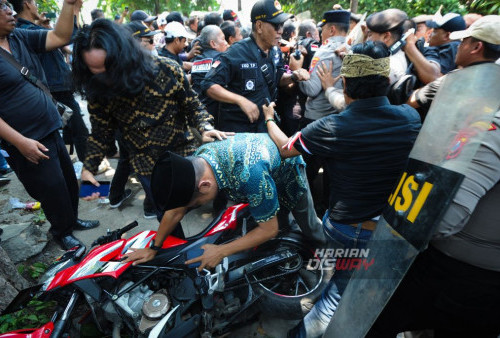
(249, 169)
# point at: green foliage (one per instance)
(411, 7)
(34, 271)
(39, 218)
(37, 269)
(35, 314)
(156, 6)
(49, 6)
(484, 7)
(21, 268)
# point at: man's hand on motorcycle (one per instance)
(212, 256)
(139, 256)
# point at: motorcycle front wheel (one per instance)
(292, 295)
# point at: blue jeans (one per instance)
(3, 162)
(339, 236)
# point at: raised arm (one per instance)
(61, 35)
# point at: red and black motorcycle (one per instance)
(167, 298)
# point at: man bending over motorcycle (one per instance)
(248, 169)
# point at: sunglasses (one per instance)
(150, 41)
(4, 6)
(277, 26)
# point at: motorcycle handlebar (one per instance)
(128, 227)
(114, 235)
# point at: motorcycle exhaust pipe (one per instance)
(61, 322)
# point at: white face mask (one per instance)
(154, 52)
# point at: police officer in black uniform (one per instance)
(250, 71)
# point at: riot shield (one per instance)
(460, 115)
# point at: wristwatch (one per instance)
(154, 247)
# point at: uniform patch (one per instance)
(215, 64)
(248, 65)
(314, 62)
(492, 127)
(277, 5)
(314, 47)
(250, 85)
(202, 66)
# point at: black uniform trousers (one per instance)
(52, 182)
(454, 298)
(75, 132)
(120, 178)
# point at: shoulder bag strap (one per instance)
(25, 72)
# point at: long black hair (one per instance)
(128, 67)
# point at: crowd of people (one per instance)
(204, 109)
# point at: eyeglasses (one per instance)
(150, 41)
(4, 6)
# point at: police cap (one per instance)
(422, 18)
(139, 29)
(450, 22)
(339, 16)
(269, 11)
(386, 21)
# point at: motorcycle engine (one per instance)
(154, 309)
(142, 304)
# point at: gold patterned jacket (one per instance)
(151, 123)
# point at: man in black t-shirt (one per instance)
(365, 148)
(29, 123)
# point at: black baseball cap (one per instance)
(336, 16)
(175, 16)
(142, 16)
(450, 22)
(229, 14)
(172, 181)
(139, 29)
(269, 11)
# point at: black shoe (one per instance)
(5, 171)
(126, 194)
(4, 180)
(149, 214)
(85, 224)
(67, 241)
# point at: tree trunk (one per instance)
(354, 6)
(157, 7)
